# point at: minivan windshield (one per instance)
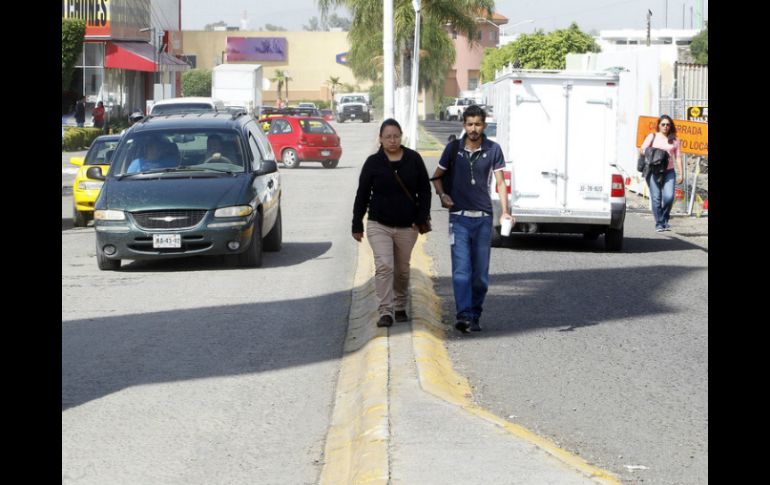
(179, 150)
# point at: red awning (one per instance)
(134, 56)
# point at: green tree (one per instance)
(699, 47)
(196, 82)
(436, 47)
(313, 25)
(72, 34)
(538, 51)
(336, 21)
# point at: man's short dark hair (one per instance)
(474, 110)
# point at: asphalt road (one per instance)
(190, 372)
(604, 353)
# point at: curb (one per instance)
(356, 449)
(437, 376)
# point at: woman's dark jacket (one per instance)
(380, 191)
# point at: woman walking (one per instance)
(662, 190)
(394, 186)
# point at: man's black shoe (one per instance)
(401, 316)
(385, 321)
(475, 326)
(462, 325)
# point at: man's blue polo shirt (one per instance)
(485, 160)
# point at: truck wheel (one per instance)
(497, 238)
(613, 239)
(275, 236)
(290, 158)
(330, 163)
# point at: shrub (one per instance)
(79, 138)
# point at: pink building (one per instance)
(466, 71)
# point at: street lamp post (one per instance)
(151, 30)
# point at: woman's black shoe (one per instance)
(385, 321)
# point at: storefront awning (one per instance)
(139, 56)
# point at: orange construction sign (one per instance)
(693, 135)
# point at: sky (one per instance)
(547, 14)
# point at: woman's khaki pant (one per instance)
(392, 248)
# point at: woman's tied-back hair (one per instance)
(390, 122)
(671, 128)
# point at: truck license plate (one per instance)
(325, 153)
(166, 241)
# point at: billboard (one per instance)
(256, 49)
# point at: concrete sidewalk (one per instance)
(402, 415)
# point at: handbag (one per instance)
(422, 227)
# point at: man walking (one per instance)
(471, 161)
(80, 112)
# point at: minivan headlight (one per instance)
(234, 211)
(109, 215)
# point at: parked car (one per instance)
(307, 105)
(85, 188)
(303, 139)
(218, 194)
(189, 104)
(327, 114)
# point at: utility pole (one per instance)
(649, 16)
(417, 4)
(387, 51)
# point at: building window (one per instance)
(191, 60)
(479, 36)
(492, 35)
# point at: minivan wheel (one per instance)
(290, 158)
(252, 257)
(272, 241)
(330, 163)
(104, 263)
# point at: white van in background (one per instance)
(189, 104)
(558, 133)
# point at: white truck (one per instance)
(558, 132)
(455, 110)
(353, 106)
(238, 85)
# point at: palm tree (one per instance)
(333, 81)
(437, 49)
(286, 80)
(279, 79)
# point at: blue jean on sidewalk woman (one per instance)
(471, 248)
(662, 197)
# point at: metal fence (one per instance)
(676, 108)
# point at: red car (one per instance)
(298, 139)
(327, 114)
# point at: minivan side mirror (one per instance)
(95, 173)
(267, 166)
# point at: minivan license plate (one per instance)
(166, 241)
(325, 153)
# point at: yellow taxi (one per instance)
(86, 187)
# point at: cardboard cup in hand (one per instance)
(505, 227)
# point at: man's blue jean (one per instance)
(471, 247)
(662, 197)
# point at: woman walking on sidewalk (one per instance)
(394, 186)
(662, 191)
